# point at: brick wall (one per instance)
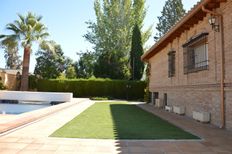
(198, 91)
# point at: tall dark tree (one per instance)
(50, 64)
(136, 65)
(172, 11)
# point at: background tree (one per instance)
(112, 65)
(111, 35)
(11, 55)
(172, 11)
(136, 65)
(68, 62)
(26, 30)
(85, 65)
(70, 72)
(50, 64)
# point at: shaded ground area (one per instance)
(118, 120)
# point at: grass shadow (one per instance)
(131, 122)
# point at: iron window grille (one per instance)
(196, 54)
(171, 63)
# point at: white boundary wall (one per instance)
(35, 96)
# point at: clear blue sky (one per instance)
(66, 21)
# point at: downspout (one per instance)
(222, 82)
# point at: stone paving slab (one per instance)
(34, 138)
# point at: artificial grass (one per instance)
(111, 120)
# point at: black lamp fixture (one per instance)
(212, 22)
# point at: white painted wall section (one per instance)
(35, 96)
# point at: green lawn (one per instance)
(120, 121)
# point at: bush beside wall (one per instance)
(119, 89)
(2, 87)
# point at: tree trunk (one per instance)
(25, 71)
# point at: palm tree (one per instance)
(25, 31)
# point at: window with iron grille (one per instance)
(171, 63)
(196, 54)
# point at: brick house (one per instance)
(191, 65)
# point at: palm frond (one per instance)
(9, 42)
(23, 27)
(39, 18)
(31, 21)
(2, 36)
(38, 27)
(30, 15)
(18, 24)
(9, 37)
(44, 35)
(12, 27)
(30, 28)
(21, 18)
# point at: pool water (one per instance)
(20, 108)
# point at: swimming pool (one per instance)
(6, 108)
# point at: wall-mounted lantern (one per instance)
(212, 22)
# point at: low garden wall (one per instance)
(118, 89)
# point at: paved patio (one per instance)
(33, 138)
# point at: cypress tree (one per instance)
(136, 65)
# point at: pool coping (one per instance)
(28, 117)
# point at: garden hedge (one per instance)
(119, 89)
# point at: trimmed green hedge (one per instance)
(119, 89)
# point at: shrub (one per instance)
(99, 98)
(2, 87)
(120, 89)
(147, 95)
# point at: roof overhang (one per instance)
(195, 15)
